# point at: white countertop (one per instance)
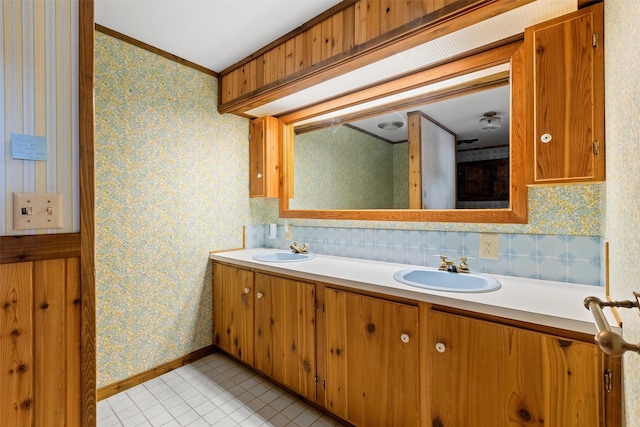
(554, 304)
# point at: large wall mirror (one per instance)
(445, 144)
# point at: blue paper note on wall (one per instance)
(28, 147)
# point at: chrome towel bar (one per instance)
(608, 341)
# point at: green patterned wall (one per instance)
(558, 209)
(171, 185)
(401, 176)
(341, 168)
(622, 86)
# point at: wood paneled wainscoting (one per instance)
(40, 330)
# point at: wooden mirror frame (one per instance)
(512, 53)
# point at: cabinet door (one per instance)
(233, 311)
(487, 374)
(285, 332)
(372, 360)
(263, 157)
(567, 89)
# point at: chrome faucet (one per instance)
(449, 265)
(299, 249)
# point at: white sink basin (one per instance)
(445, 281)
(282, 257)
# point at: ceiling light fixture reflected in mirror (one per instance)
(466, 141)
(392, 125)
(490, 121)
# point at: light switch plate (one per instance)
(37, 210)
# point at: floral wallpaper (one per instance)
(171, 185)
(342, 168)
(576, 210)
(401, 175)
(622, 87)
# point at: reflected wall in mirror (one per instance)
(416, 154)
(364, 163)
(342, 167)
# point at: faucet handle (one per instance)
(443, 263)
(464, 267)
(299, 249)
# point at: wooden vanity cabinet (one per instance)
(263, 157)
(268, 322)
(371, 356)
(565, 81)
(378, 361)
(488, 374)
(285, 332)
(233, 311)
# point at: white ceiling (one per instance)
(461, 115)
(212, 33)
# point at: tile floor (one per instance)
(213, 391)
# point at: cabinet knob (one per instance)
(546, 138)
(404, 338)
(246, 290)
(259, 295)
(259, 175)
(440, 348)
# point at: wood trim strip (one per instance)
(37, 247)
(415, 160)
(133, 381)
(478, 216)
(371, 134)
(86, 41)
(152, 49)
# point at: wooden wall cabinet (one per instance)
(285, 332)
(372, 362)
(263, 157)
(488, 374)
(565, 81)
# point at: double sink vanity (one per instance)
(384, 344)
(378, 343)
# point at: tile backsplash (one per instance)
(563, 258)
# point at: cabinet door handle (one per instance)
(440, 348)
(404, 338)
(546, 138)
(246, 291)
(259, 175)
(259, 295)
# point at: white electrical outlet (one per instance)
(288, 232)
(489, 246)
